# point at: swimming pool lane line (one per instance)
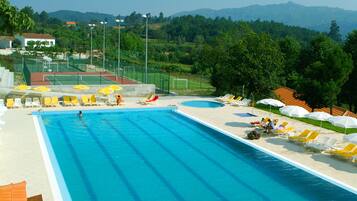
(208, 158)
(188, 168)
(75, 156)
(146, 161)
(112, 162)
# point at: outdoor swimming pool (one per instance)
(202, 104)
(159, 154)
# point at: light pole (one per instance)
(146, 16)
(91, 43)
(119, 30)
(104, 23)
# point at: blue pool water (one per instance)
(160, 155)
(202, 104)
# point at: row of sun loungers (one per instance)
(233, 100)
(312, 140)
(85, 100)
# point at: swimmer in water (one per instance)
(80, 114)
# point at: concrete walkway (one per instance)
(21, 159)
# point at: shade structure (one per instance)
(106, 91)
(320, 116)
(22, 87)
(294, 111)
(271, 102)
(81, 87)
(115, 87)
(343, 121)
(41, 89)
(351, 138)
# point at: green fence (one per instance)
(64, 72)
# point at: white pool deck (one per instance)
(21, 158)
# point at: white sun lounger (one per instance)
(2, 103)
(17, 103)
(112, 101)
(244, 102)
(28, 102)
(322, 144)
(36, 102)
(222, 98)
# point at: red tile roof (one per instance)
(37, 36)
(71, 23)
(286, 95)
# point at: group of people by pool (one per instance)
(268, 125)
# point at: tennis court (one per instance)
(75, 79)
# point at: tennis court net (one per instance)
(73, 79)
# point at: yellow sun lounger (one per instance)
(54, 101)
(309, 138)
(85, 100)
(10, 103)
(47, 102)
(284, 124)
(238, 98)
(348, 148)
(74, 100)
(284, 131)
(350, 154)
(303, 134)
(67, 101)
(93, 100)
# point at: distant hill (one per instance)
(316, 18)
(68, 15)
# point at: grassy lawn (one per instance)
(325, 124)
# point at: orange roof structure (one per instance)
(287, 96)
(37, 36)
(71, 23)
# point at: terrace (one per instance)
(22, 152)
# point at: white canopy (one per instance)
(351, 138)
(271, 102)
(294, 111)
(343, 121)
(320, 116)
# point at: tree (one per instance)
(13, 20)
(349, 90)
(335, 31)
(324, 72)
(291, 50)
(254, 62)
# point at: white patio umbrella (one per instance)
(351, 138)
(320, 116)
(294, 111)
(343, 122)
(271, 102)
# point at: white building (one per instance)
(45, 40)
(6, 42)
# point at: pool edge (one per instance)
(275, 155)
(58, 193)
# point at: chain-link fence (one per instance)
(85, 71)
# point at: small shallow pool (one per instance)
(202, 104)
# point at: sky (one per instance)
(168, 7)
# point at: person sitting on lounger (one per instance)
(270, 126)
